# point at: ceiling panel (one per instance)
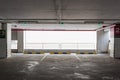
(27, 4)
(27, 9)
(70, 9)
(93, 5)
(68, 14)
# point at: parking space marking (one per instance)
(74, 54)
(46, 54)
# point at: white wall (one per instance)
(102, 41)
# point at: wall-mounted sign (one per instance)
(2, 33)
(117, 31)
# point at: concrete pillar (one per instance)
(5, 40)
(115, 41)
(102, 41)
(20, 38)
(111, 47)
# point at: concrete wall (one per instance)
(117, 48)
(5, 49)
(14, 35)
(117, 41)
(18, 35)
(0, 26)
(20, 38)
(102, 41)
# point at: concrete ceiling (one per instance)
(60, 10)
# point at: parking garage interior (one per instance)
(59, 40)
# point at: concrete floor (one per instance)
(60, 67)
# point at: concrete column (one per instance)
(20, 38)
(116, 41)
(5, 40)
(102, 41)
(111, 47)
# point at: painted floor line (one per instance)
(74, 54)
(44, 56)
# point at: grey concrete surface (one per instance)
(60, 67)
(5, 42)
